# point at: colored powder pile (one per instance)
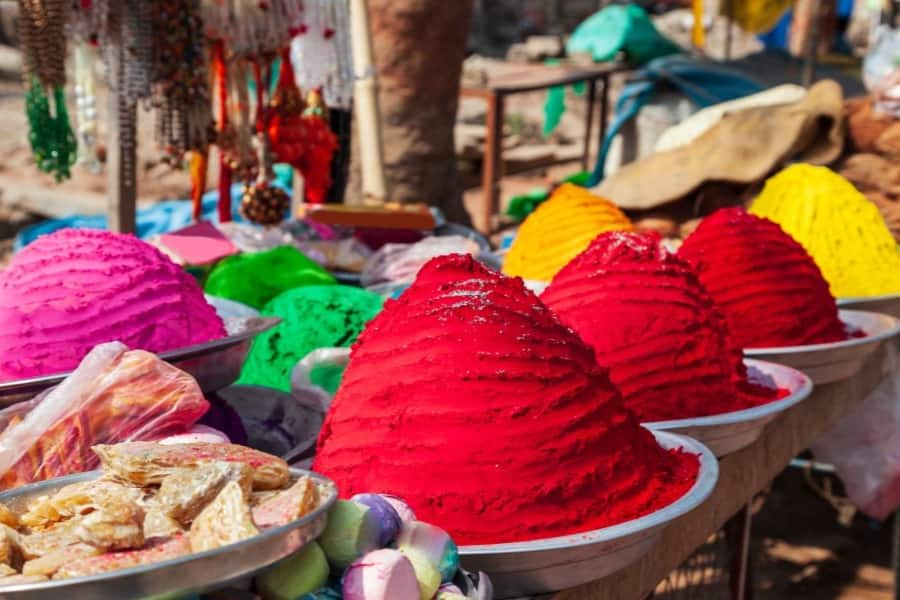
(312, 317)
(467, 397)
(840, 228)
(76, 288)
(768, 287)
(651, 323)
(256, 278)
(558, 230)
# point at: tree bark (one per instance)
(419, 47)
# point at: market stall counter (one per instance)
(741, 475)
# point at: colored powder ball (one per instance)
(73, 289)
(427, 575)
(382, 575)
(434, 544)
(351, 532)
(403, 509)
(312, 317)
(459, 390)
(768, 287)
(651, 323)
(301, 573)
(256, 278)
(841, 229)
(385, 514)
(558, 230)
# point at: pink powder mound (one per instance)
(76, 288)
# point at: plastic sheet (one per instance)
(115, 395)
(881, 70)
(865, 448)
(401, 262)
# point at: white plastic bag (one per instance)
(401, 262)
(881, 70)
(865, 448)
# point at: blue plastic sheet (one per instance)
(155, 219)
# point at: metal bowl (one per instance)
(215, 365)
(825, 363)
(888, 304)
(729, 432)
(536, 286)
(192, 573)
(552, 564)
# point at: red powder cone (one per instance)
(769, 288)
(468, 398)
(651, 323)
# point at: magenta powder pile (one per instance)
(76, 288)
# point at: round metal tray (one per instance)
(729, 432)
(192, 573)
(825, 363)
(888, 304)
(215, 365)
(552, 564)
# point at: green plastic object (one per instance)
(312, 317)
(619, 28)
(256, 278)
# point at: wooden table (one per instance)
(508, 79)
(741, 475)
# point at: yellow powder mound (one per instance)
(838, 226)
(559, 230)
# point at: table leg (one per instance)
(604, 109)
(737, 534)
(492, 168)
(589, 124)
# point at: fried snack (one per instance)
(224, 521)
(115, 526)
(148, 463)
(10, 547)
(78, 499)
(154, 551)
(6, 571)
(185, 493)
(8, 517)
(158, 524)
(52, 562)
(40, 543)
(257, 498)
(291, 504)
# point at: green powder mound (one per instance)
(256, 278)
(319, 316)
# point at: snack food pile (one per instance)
(153, 502)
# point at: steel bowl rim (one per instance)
(853, 300)
(279, 531)
(704, 485)
(748, 414)
(254, 326)
(887, 333)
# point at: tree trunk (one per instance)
(419, 46)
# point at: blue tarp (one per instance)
(155, 219)
(703, 82)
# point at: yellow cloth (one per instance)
(842, 230)
(758, 16)
(559, 230)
